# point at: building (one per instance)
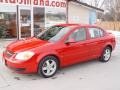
(25, 18)
(79, 12)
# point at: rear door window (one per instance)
(96, 32)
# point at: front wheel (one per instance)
(48, 66)
(106, 55)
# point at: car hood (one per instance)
(26, 44)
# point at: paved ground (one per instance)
(92, 75)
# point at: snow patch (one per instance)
(116, 33)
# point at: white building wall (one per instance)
(77, 13)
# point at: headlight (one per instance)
(24, 55)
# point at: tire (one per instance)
(48, 66)
(106, 55)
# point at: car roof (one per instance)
(77, 25)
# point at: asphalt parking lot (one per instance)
(92, 75)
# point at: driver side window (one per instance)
(78, 35)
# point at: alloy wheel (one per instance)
(107, 54)
(49, 67)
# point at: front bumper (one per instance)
(29, 66)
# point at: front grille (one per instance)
(9, 53)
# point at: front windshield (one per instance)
(54, 33)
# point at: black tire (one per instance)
(102, 58)
(41, 72)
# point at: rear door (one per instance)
(96, 41)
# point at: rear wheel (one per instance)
(48, 67)
(106, 55)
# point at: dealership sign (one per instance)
(50, 3)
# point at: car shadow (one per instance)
(62, 71)
(75, 69)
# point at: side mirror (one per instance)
(69, 41)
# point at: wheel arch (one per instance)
(54, 55)
(107, 45)
(45, 55)
(110, 46)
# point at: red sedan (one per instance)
(57, 47)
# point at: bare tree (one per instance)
(113, 9)
(94, 2)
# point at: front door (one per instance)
(25, 22)
(76, 51)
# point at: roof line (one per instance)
(85, 4)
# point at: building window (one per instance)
(39, 20)
(8, 21)
(25, 20)
(55, 16)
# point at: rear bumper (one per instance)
(29, 66)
